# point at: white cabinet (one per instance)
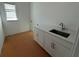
(53, 45)
(35, 33)
(54, 48)
(39, 36)
(61, 51)
(49, 46)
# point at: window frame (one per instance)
(6, 12)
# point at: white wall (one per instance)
(45, 13)
(2, 13)
(23, 12)
(23, 23)
(53, 13)
(1, 35)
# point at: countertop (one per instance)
(70, 39)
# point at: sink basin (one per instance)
(66, 35)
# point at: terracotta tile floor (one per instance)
(22, 44)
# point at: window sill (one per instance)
(12, 20)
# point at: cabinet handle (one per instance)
(53, 45)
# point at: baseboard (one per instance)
(19, 33)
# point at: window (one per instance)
(10, 11)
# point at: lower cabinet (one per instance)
(50, 45)
(39, 36)
(54, 48)
(61, 51)
(35, 34)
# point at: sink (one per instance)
(63, 34)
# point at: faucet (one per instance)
(62, 26)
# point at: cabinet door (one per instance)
(41, 37)
(35, 33)
(49, 47)
(61, 51)
(38, 36)
(54, 48)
